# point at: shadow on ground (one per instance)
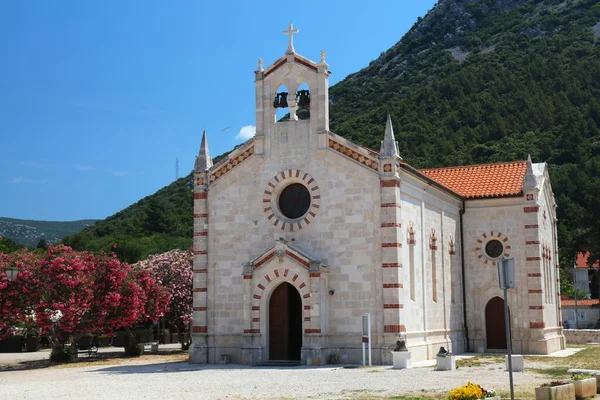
(87, 361)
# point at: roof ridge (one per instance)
(474, 165)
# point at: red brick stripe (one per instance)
(306, 296)
(312, 331)
(532, 242)
(392, 265)
(202, 289)
(535, 275)
(392, 286)
(533, 259)
(247, 276)
(389, 183)
(247, 331)
(255, 308)
(391, 244)
(391, 225)
(307, 307)
(204, 233)
(200, 308)
(394, 328)
(393, 306)
(315, 274)
(535, 290)
(257, 296)
(198, 329)
(531, 209)
(255, 319)
(200, 196)
(531, 226)
(536, 307)
(390, 205)
(537, 325)
(201, 271)
(200, 252)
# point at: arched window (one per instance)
(281, 104)
(303, 101)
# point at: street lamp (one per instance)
(12, 273)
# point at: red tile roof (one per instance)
(482, 181)
(582, 261)
(582, 303)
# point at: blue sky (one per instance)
(99, 98)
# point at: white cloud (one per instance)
(246, 132)
(80, 167)
(20, 179)
(120, 173)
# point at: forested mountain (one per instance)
(474, 81)
(29, 232)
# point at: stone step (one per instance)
(281, 363)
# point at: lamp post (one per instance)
(12, 273)
(506, 278)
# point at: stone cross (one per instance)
(290, 32)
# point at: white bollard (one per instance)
(517, 363)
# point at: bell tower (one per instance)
(296, 84)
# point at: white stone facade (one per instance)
(378, 237)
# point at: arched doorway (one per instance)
(495, 325)
(285, 323)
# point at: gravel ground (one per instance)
(177, 380)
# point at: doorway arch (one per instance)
(285, 323)
(495, 325)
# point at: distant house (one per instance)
(585, 315)
(581, 273)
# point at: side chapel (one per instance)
(299, 232)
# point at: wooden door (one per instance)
(285, 323)
(495, 326)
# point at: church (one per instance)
(299, 232)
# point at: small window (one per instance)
(494, 248)
(294, 201)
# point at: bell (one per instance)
(442, 352)
(401, 345)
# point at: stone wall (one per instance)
(582, 336)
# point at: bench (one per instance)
(87, 345)
(153, 346)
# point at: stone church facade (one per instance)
(299, 232)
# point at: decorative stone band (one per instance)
(231, 163)
(393, 306)
(281, 180)
(386, 183)
(354, 155)
(394, 329)
(393, 286)
(391, 225)
(312, 331)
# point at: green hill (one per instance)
(28, 232)
(474, 81)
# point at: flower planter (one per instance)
(561, 392)
(585, 388)
(165, 339)
(12, 344)
(401, 359)
(32, 343)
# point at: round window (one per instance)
(494, 248)
(294, 201)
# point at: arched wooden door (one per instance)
(285, 323)
(495, 326)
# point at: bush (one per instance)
(59, 355)
(555, 383)
(580, 377)
(470, 391)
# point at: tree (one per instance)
(173, 270)
(43, 243)
(72, 293)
